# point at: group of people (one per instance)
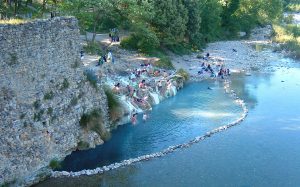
(134, 116)
(141, 82)
(114, 35)
(106, 58)
(220, 68)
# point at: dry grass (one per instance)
(12, 21)
(289, 39)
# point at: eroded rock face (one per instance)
(43, 94)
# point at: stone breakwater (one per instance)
(43, 94)
(168, 150)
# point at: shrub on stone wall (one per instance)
(114, 106)
(55, 164)
(65, 84)
(36, 104)
(94, 121)
(13, 59)
(91, 78)
(82, 145)
(49, 95)
(181, 72)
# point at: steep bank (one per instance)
(43, 95)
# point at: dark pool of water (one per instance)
(194, 111)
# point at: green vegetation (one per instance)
(91, 78)
(76, 64)
(22, 116)
(49, 95)
(65, 84)
(55, 164)
(13, 59)
(293, 7)
(94, 121)
(38, 116)
(179, 26)
(93, 48)
(289, 38)
(36, 104)
(164, 62)
(82, 145)
(183, 74)
(50, 111)
(74, 101)
(114, 106)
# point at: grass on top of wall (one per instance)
(12, 21)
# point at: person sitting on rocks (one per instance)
(116, 88)
(81, 55)
(165, 74)
(159, 86)
(209, 68)
(220, 74)
(206, 57)
(156, 73)
(128, 90)
(142, 84)
(228, 72)
(132, 76)
(100, 61)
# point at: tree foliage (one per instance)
(163, 23)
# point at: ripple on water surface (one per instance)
(194, 111)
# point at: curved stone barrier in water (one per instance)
(168, 150)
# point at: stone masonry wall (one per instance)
(43, 94)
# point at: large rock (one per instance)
(43, 95)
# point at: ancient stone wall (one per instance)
(43, 94)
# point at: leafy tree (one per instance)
(170, 21)
(193, 31)
(211, 20)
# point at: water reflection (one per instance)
(244, 86)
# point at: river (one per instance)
(262, 151)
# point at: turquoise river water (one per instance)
(262, 151)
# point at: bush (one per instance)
(143, 40)
(164, 62)
(183, 74)
(49, 95)
(93, 48)
(129, 42)
(36, 104)
(13, 59)
(289, 37)
(65, 84)
(55, 164)
(74, 101)
(38, 116)
(94, 121)
(114, 106)
(179, 49)
(82, 145)
(50, 111)
(91, 77)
